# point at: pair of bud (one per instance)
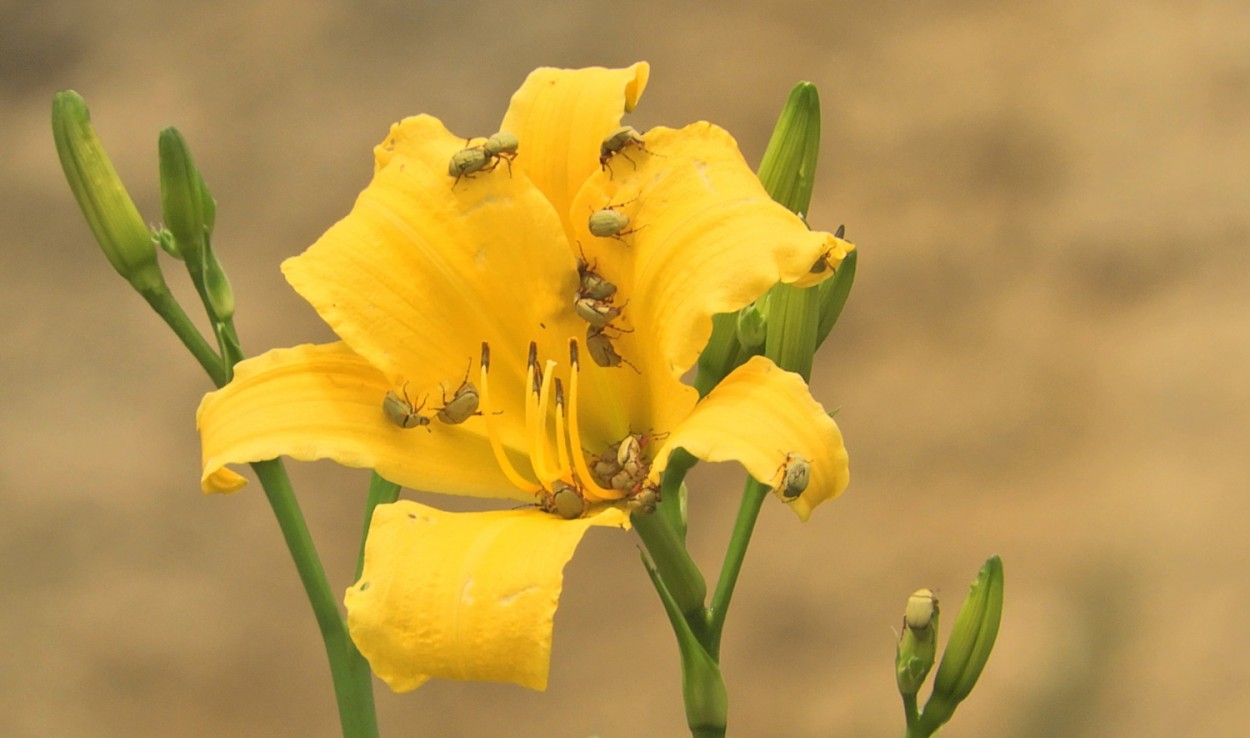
(188, 209)
(967, 651)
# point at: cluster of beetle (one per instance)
(470, 160)
(461, 406)
(593, 304)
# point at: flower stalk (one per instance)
(131, 248)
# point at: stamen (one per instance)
(591, 489)
(562, 445)
(492, 432)
(532, 386)
(540, 449)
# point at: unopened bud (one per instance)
(217, 287)
(752, 327)
(111, 214)
(971, 640)
(183, 199)
(917, 645)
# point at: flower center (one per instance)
(556, 454)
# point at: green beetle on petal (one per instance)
(608, 223)
(797, 473)
(596, 312)
(463, 403)
(400, 411)
(483, 158)
(615, 143)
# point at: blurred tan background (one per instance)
(1046, 356)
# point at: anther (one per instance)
(485, 356)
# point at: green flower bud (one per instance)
(971, 640)
(217, 287)
(183, 199)
(788, 173)
(752, 327)
(788, 169)
(917, 645)
(111, 214)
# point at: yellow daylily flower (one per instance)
(483, 352)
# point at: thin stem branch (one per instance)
(735, 553)
(176, 318)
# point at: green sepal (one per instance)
(971, 641)
(163, 238)
(110, 213)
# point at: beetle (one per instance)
(823, 262)
(503, 145)
(596, 312)
(797, 472)
(564, 500)
(399, 410)
(483, 158)
(616, 142)
(601, 350)
(644, 501)
(463, 402)
(922, 607)
(607, 223)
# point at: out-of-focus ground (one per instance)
(1046, 356)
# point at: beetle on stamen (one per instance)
(564, 500)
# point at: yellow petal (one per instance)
(325, 402)
(467, 596)
(757, 416)
(424, 269)
(706, 238)
(223, 480)
(561, 116)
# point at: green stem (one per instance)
(748, 512)
(381, 492)
(676, 569)
(353, 687)
(912, 713)
(176, 318)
